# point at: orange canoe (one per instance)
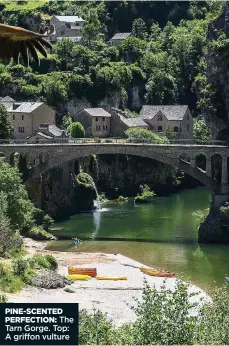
(82, 271)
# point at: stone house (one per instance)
(175, 118)
(47, 132)
(67, 27)
(26, 117)
(96, 121)
(120, 123)
(119, 38)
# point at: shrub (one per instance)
(122, 199)
(42, 219)
(38, 233)
(3, 298)
(43, 261)
(77, 130)
(10, 283)
(139, 135)
(5, 268)
(146, 195)
(52, 261)
(164, 317)
(28, 275)
(39, 261)
(20, 266)
(100, 332)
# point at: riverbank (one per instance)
(111, 297)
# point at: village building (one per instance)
(96, 121)
(120, 122)
(47, 132)
(176, 119)
(119, 38)
(67, 27)
(26, 117)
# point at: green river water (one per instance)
(162, 234)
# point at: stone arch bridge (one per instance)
(207, 163)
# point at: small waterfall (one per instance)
(96, 202)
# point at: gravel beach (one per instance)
(112, 297)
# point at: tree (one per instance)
(200, 130)
(139, 135)
(67, 122)
(139, 29)
(54, 88)
(9, 239)
(91, 28)
(5, 124)
(64, 50)
(170, 134)
(161, 89)
(18, 207)
(77, 130)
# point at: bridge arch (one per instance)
(185, 157)
(62, 156)
(201, 161)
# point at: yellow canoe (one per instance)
(79, 277)
(111, 278)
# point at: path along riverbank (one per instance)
(112, 297)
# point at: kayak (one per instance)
(110, 278)
(158, 273)
(79, 277)
(83, 271)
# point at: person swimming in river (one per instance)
(76, 241)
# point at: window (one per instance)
(13, 116)
(21, 129)
(103, 119)
(96, 119)
(62, 33)
(159, 118)
(106, 127)
(159, 129)
(176, 129)
(22, 117)
(98, 128)
(188, 127)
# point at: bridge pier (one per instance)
(221, 195)
(208, 167)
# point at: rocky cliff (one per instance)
(214, 91)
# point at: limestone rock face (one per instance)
(217, 73)
(215, 228)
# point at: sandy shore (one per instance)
(112, 297)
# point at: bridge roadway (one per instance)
(45, 156)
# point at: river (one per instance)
(162, 234)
